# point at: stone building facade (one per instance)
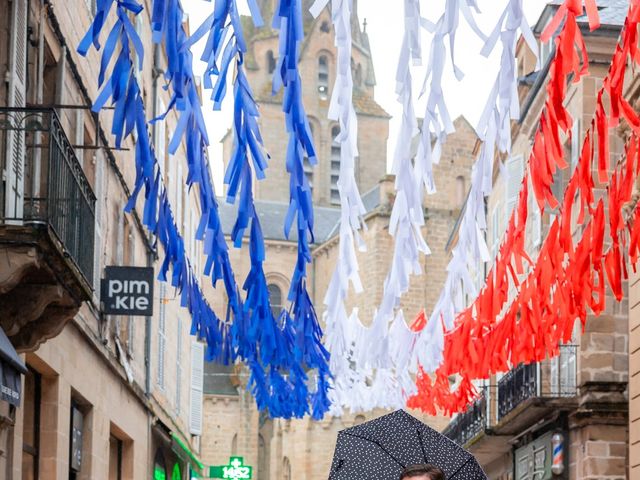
(303, 449)
(582, 394)
(105, 397)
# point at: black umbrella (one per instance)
(382, 448)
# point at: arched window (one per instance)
(286, 469)
(159, 467)
(234, 445)
(460, 191)
(271, 62)
(335, 165)
(275, 296)
(358, 76)
(323, 77)
(308, 169)
(263, 466)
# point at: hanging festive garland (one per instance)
(129, 115)
(560, 287)
(254, 335)
(308, 348)
(494, 129)
(260, 338)
(352, 210)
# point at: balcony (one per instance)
(528, 390)
(47, 226)
(468, 425)
(522, 397)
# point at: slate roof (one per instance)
(272, 216)
(612, 12)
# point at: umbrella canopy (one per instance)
(383, 447)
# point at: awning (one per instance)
(11, 366)
(193, 459)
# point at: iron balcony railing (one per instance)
(53, 189)
(554, 378)
(468, 425)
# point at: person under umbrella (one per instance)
(422, 472)
(398, 446)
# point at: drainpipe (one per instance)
(150, 254)
(37, 155)
(147, 341)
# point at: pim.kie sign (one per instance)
(128, 291)
(236, 470)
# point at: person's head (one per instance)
(422, 472)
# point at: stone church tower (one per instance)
(317, 66)
(302, 449)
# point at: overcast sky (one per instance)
(385, 29)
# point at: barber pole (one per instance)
(557, 443)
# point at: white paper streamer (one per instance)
(494, 129)
(338, 328)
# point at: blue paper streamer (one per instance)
(122, 89)
(308, 349)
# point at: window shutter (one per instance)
(575, 144)
(179, 198)
(139, 27)
(14, 167)
(535, 220)
(179, 367)
(98, 252)
(79, 136)
(160, 141)
(515, 171)
(120, 236)
(161, 333)
(495, 231)
(197, 377)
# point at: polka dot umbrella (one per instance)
(382, 448)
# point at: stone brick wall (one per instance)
(634, 378)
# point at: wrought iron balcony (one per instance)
(468, 425)
(46, 228)
(53, 191)
(554, 378)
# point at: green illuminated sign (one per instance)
(236, 470)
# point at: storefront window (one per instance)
(31, 427)
(177, 474)
(159, 469)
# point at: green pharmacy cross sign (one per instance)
(236, 470)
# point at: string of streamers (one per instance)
(437, 122)
(129, 116)
(308, 348)
(262, 339)
(229, 340)
(568, 278)
(384, 352)
(494, 129)
(351, 209)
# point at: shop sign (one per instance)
(534, 460)
(235, 470)
(128, 291)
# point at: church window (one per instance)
(271, 62)
(460, 191)
(286, 469)
(323, 77)
(308, 169)
(275, 296)
(358, 76)
(335, 165)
